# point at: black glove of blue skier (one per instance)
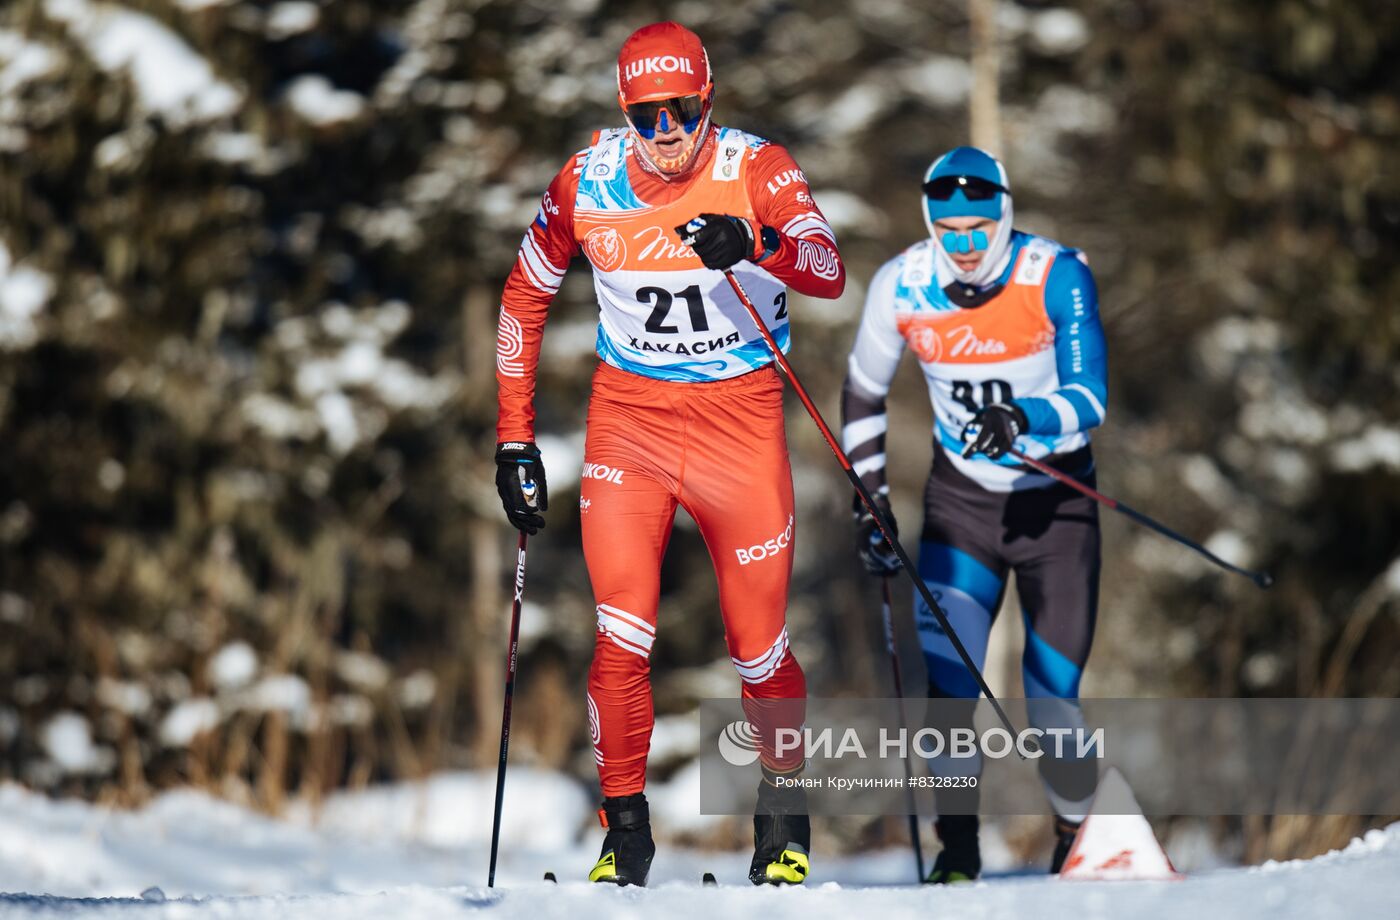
(720, 240)
(521, 484)
(874, 550)
(993, 431)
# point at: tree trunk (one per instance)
(986, 60)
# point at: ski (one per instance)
(707, 879)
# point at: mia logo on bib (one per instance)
(605, 248)
(658, 245)
(965, 341)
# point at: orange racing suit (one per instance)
(686, 409)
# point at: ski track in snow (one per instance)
(212, 859)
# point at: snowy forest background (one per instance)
(250, 262)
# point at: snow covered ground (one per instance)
(419, 851)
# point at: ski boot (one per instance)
(782, 833)
(628, 847)
(960, 860)
(1065, 832)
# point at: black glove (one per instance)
(520, 481)
(994, 430)
(874, 550)
(720, 240)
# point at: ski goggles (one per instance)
(974, 188)
(664, 114)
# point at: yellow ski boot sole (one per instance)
(605, 869)
(790, 868)
(942, 877)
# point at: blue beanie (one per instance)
(966, 161)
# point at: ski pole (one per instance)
(511, 658)
(881, 521)
(1262, 579)
(888, 610)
